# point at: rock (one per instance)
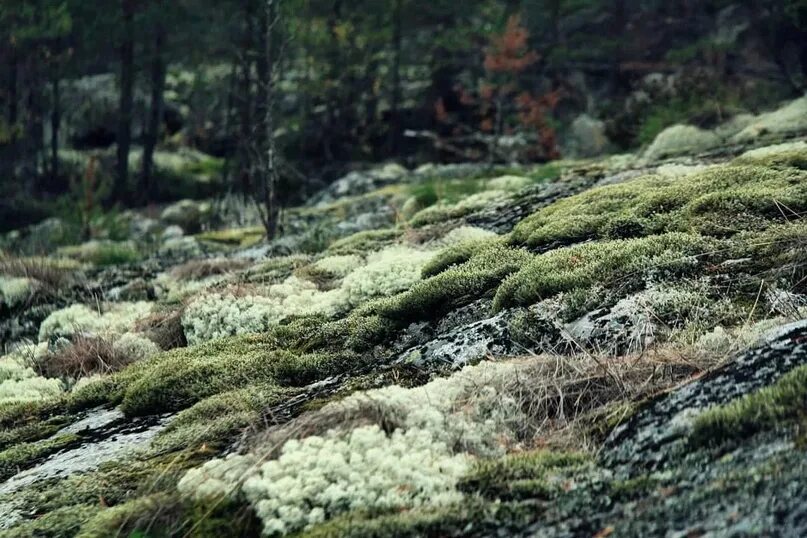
(359, 182)
(651, 437)
(788, 120)
(586, 138)
(186, 214)
(464, 344)
(172, 232)
(680, 140)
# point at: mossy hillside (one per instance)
(719, 201)
(456, 286)
(363, 242)
(238, 237)
(64, 522)
(291, 355)
(458, 254)
(521, 475)
(215, 421)
(622, 263)
(789, 154)
(23, 455)
(767, 408)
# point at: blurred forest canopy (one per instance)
(120, 101)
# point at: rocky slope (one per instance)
(582, 348)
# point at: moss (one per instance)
(153, 516)
(445, 210)
(179, 378)
(792, 154)
(103, 253)
(628, 262)
(457, 254)
(274, 270)
(216, 420)
(520, 476)
(33, 431)
(764, 409)
(243, 237)
(363, 242)
(719, 201)
(634, 488)
(24, 455)
(454, 287)
(62, 523)
(414, 523)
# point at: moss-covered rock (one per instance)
(719, 201)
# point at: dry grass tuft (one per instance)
(164, 329)
(51, 273)
(199, 269)
(86, 356)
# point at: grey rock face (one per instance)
(652, 436)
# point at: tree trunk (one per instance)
(155, 120)
(55, 124)
(245, 103)
(395, 99)
(269, 171)
(126, 103)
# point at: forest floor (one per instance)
(615, 346)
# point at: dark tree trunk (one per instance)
(55, 124)
(155, 120)
(263, 70)
(126, 103)
(245, 103)
(395, 99)
(267, 160)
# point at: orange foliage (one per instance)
(509, 52)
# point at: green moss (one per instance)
(719, 201)
(363, 242)
(783, 155)
(454, 287)
(102, 253)
(275, 270)
(457, 254)
(634, 488)
(62, 523)
(33, 431)
(153, 516)
(413, 523)
(519, 476)
(179, 378)
(24, 455)
(216, 420)
(764, 409)
(243, 237)
(626, 262)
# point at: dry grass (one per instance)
(52, 274)
(87, 355)
(199, 269)
(568, 402)
(164, 329)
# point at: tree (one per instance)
(157, 76)
(126, 101)
(266, 174)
